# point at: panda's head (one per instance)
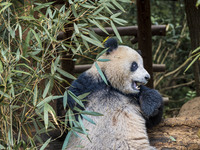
(124, 71)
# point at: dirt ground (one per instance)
(181, 132)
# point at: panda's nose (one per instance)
(147, 77)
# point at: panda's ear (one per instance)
(111, 44)
(139, 52)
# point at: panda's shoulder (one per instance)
(86, 82)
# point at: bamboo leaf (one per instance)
(98, 11)
(118, 5)
(102, 52)
(53, 114)
(22, 72)
(115, 15)
(20, 32)
(29, 18)
(103, 60)
(65, 100)
(110, 6)
(46, 117)
(92, 41)
(76, 99)
(70, 116)
(86, 44)
(88, 119)
(82, 96)
(76, 28)
(56, 63)
(77, 129)
(52, 68)
(37, 38)
(4, 94)
(192, 62)
(102, 18)
(6, 5)
(35, 124)
(101, 73)
(82, 126)
(35, 95)
(115, 31)
(120, 21)
(25, 65)
(109, 11)
(198, 3)
(45, 144)
(1, 67)
(48, 99)
(88, 6)
(91, 113)
(2, 147)
(49, 13)
(10, 136)
(46, 90)
(66, 74)
(42, 5)
(49, 35)
(39, 139)
(77, 109)
(197, 49)
(99, 26)
(12, 32)
(172, 138)
(12, 89)
(74, 11)
(66, 140)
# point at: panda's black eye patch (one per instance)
(134, 66)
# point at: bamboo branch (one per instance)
(176, 86)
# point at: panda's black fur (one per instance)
(149, 100)
(111, 44)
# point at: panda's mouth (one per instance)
(136, 85)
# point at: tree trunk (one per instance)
(145, 35)
(193, 20)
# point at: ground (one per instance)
(181, 132)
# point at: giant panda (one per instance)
(128, 107)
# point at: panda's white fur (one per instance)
(123, 126)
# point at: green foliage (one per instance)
(190, 95)
(198, 3)
(195, 57)
(30, 65)
(172, 50)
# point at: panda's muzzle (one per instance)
(136, 84)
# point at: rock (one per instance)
(191, 108)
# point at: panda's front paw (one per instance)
(151, 102)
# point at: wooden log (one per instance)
(131, 30)
(159, 30)
(159, 67)
(82, 68)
